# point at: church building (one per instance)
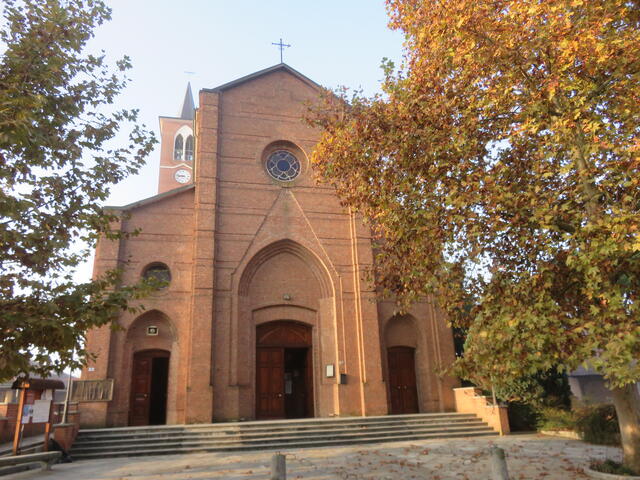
(267, 312)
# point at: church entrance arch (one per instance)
(149, 381)
(284, 370)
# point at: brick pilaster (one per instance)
(199, 406)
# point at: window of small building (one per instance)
(178, 148)
(8, 395)
(188, 149)
(158, 271)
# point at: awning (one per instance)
(37, 384)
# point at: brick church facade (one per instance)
(267, 313)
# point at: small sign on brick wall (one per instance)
(152, 330)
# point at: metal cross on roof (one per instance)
(282, 46)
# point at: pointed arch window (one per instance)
(188, 149)
(178, 148)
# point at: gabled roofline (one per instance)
(165, 117)
(155, 198)
(275, 68)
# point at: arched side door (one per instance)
(149, 380)
(403, 391)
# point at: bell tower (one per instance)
(177, 146)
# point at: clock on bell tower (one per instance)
(177, 147)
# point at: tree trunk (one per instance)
(627, 403)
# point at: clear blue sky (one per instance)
(332, 42)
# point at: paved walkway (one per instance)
(529, 457)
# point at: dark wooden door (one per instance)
(142, 387)
(402, 380)
(284, 389)
(270, 383)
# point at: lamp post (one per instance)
(67, 396)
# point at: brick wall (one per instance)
(245, 249)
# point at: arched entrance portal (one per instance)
(402, 380)
(149, 380)
(284, 370)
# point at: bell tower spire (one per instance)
(188, 107)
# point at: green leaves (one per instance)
(501, 170)
(57, 162)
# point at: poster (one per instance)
(27, 413)
(41, 411)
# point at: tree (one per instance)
(502, 163)
(57, 165)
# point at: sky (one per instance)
(332, 42)
(211, 42)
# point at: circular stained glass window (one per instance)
(283, 165)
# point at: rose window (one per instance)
(283, 165)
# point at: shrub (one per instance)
(552, 418)
(598, 424)
(609, 466)
(522, 417)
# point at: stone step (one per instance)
(28, 445)
(278, 434)
(279, 423)
(239, 430)
(285, 437)
(11, 469)
(292, 433)
(299, 443)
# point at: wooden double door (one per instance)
(149, 381)
(284, 371)
(403, 391)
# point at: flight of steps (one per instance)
(278, 434)
(28, 445)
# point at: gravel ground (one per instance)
(528, 457)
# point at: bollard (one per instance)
(279, 467)
(498, 464)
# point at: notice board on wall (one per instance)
(41, 410)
